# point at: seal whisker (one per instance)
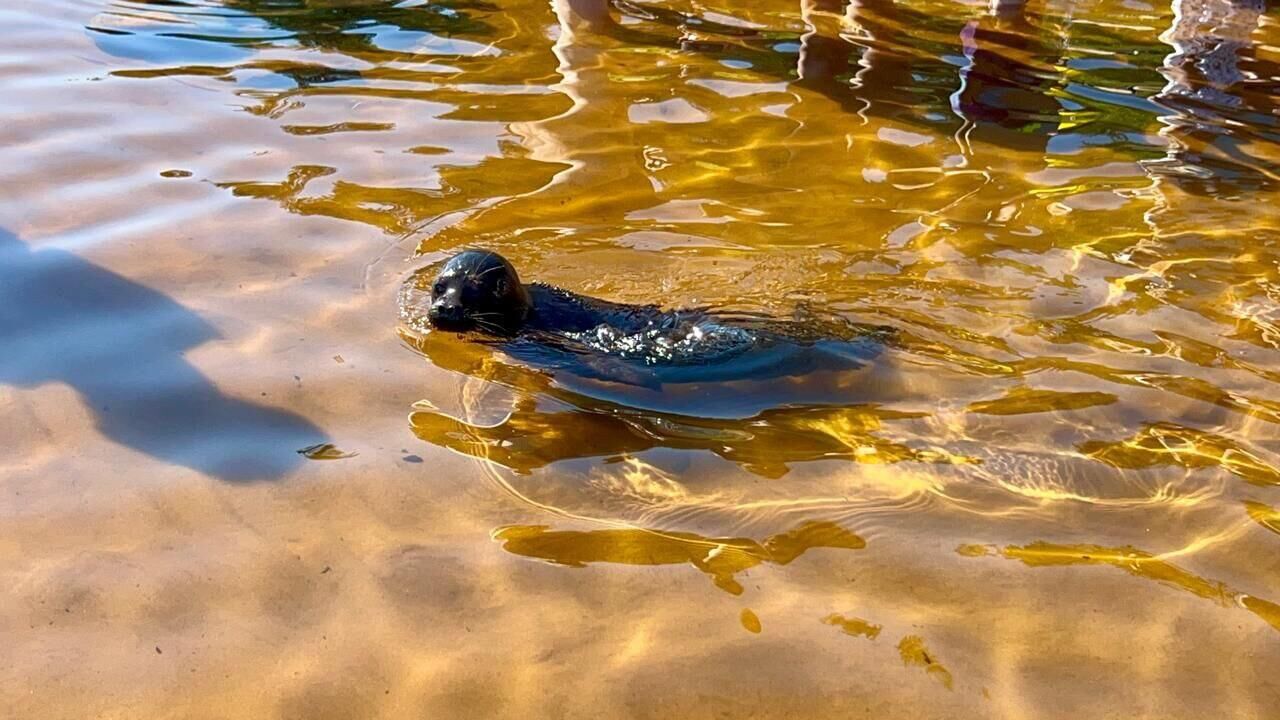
(482, 273)
(496, 330)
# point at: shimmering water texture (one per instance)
(1052, 490)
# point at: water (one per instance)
(1054, 495)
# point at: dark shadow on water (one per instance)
(120, 346)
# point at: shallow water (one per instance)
(1058, 496)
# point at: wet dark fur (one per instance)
(480, 290)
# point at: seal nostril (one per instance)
(446, 315)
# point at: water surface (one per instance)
(1055, 495)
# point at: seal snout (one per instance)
(446, 315)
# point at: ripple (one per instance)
(1068, 216)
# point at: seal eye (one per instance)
(439, 288)
(500, 287)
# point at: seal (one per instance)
(479, 290)
(479, 293)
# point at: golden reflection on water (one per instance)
(914, 652)
(1168, 444)
(853, 626)
(1067, 210)
(720, 558)
(1140, 564)
(1267, 517)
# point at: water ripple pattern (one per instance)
(1054, 493)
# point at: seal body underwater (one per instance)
(479, 292)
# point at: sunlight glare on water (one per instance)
(1054, 492)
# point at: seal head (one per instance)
(478, 290)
